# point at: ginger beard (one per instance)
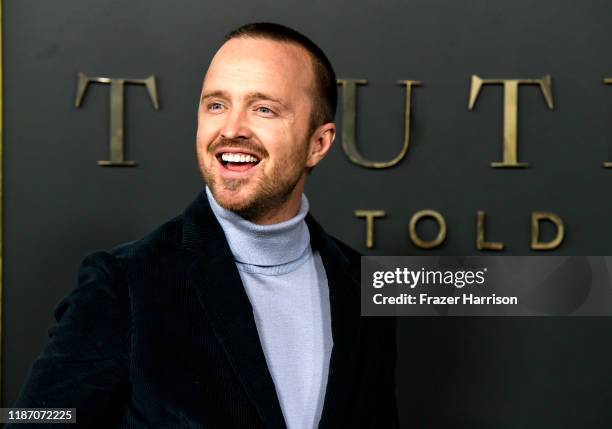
(264, 192)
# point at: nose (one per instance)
(236, 125)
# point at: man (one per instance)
(242, 312)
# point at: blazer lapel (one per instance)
(228, 309)
(345, 307)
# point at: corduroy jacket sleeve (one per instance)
(391, 398)
(85, 363)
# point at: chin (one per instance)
(236, 199)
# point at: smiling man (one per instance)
(262, 124)
(242, 312)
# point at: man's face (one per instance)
(253, 125)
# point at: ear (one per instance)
(320, 143)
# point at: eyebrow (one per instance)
(251, 96)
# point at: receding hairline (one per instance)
(311, 57)
(323, 87)
(308, 55)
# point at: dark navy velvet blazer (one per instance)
(159, 333)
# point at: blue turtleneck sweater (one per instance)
(287, 286)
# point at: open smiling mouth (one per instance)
(237, 161)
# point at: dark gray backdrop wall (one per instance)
(456, 372)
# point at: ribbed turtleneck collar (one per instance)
(267, 249)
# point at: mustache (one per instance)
(244, 144)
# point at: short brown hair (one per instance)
(326, 91)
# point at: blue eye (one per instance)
(214, 106)
(264, 109)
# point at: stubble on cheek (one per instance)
(273, 190)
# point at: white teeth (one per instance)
(236, 157)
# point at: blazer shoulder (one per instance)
(352, 255)
(333, 248)
(348, 250)
(163, 240)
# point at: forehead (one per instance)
(268, 66)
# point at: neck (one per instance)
(278, 244)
